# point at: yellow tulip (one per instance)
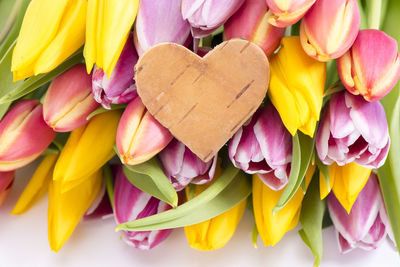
(216, 232)
(66, 209)
(37, 186)
(51, 31)
(108, 25)
(297, 86)
(88, 148)
(272, 227)
(346, 182)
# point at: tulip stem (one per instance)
(374, 16)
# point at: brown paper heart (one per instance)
(203, 101)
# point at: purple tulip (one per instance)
(130, 203)
(182, 166)
(263, 146)
(364, 226)
(353, 129)
(160, 21)
(120, 88)
(205, 16)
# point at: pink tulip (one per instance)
(130, 204)
(101, 206)
(6, 182)
(329, 28)
(182, 166)
(120, 88)
(363, 227)
(160, 21)
(251, 23)
(69, 100)
(205, 16)
(353, 129)
(263, 146)
(285, 13)
(24, 135)
(371, 67)
(139, 135)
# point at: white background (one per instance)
(23, 242)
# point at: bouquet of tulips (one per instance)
(321, 150)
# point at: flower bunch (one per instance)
(323, 143)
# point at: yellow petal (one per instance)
(66, 209)
(90, 148)
(297, 86)
(39, 27)
(272, 227)
(105, 43)
(324, 188)
(37, 186)
(216, 232)
(69, 38)
(350, 179)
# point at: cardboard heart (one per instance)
(203, 101)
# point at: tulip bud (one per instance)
(346, 181)
(88, 148)
(158, 22)
(272, 226)
(263, 146)
(51, 31)
(329, 28)
(205, 16)
(371, 67)
(101, 206)
(297, 86)
(23, 135)
(140, 136)
(69, 100)
(120, 88)
(182, 166)
(130, 204)
(216, 232)
(251, 23)
(37, 186)
(67, 208)
(363, 227)
(6, 182)
(286, 13)
(353, 130)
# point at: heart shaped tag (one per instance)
(203, 101)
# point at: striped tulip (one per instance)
(24, 135)
(371, 67)
(140, 136)
(158, 22)
(120, 87)
(286, 13)
(329, 28)
(69, 100)
(263, 146)
(205, 16)
(353, 130)
(251, 23)
(130, 203)
(6, 182)
(182, 166)
(363, 227)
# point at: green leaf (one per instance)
(311, 218)
(3, 109)
(102, 110)
(324, 169)
(303, 147)
(34, 82)
(150, 178)
(109, 183)
(232, 187)
(389, 173)
(6, 76)
(254, 236)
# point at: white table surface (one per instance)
(23, 242)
